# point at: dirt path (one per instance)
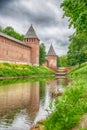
(38, 127)
(82, 124)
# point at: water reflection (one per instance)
(23, 104)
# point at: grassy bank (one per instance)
(7, 69)
(72, 105)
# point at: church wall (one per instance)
(13, 51)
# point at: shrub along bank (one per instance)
(9, 70)
(72, 105)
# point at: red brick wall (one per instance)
(13, 51)
(52, 61)
(34, 44)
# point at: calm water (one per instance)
(23, 104)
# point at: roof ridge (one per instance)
(31, 33)
(51, 51)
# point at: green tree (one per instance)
(58, 61)
(11, 32)
(76, 11)
(63, 61)
(77, 50)
(42, 53)
(77, 57)
(1, 29)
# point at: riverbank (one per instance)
(8, 70)
(72, 105)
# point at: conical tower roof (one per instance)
(31, 33)
(51, 51)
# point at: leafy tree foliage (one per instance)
(63, 61)
(42, 54)
(77, 53)
(77, 57)
(1, 29)
(58, 61)
(11, 32)
(76, 11)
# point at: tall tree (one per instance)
(77, 50)
(11, 32)
(76, 11)
(63, 61)
(42, 54)
(1, 29)
(58, 61)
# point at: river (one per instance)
(22, 104)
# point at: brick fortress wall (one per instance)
(34, 44)
(52, 61)
(12, 51)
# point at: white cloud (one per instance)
(45, 15)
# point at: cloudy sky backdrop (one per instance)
(46, 17)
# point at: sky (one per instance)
(44, 15)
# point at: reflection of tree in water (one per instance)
(34, 97)
(58, 85)
(34, 101)
(14, 98)
(64, 81)
(52, 85)
(9, 118)
(29, 96)
(24, 80)
(42, 91)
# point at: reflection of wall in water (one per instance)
(18, 96)
(52, 85)
(56, 84)
(63, 81)
(34, 99)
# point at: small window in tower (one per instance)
(27, 39)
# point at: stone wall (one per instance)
(52, 61)
(13, 51)
(34, 44)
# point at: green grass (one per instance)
(72, 105)
(77, 68)
(7, 69)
